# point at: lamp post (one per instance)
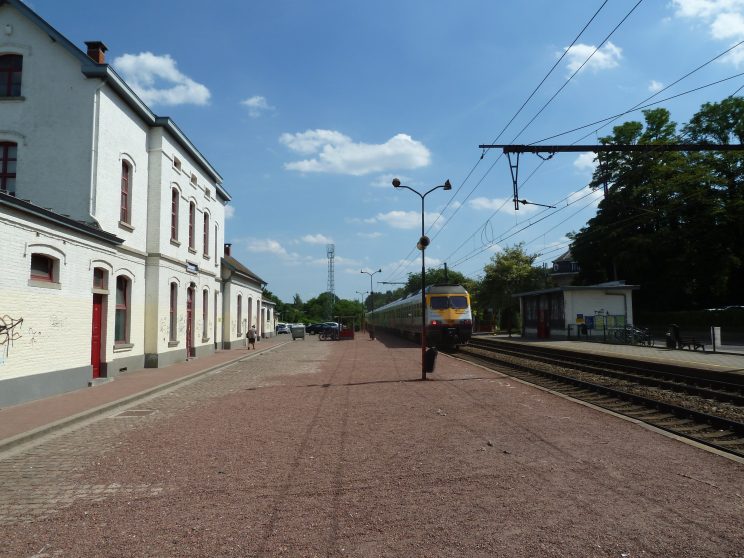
(421, 245)
(371, 299)
(371, 292)
(361, 301)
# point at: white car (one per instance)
(282, 328)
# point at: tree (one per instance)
(672, 222)
(509, 272)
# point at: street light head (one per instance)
(423, 242)
(447, 185)
(396, 183)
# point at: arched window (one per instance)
(126, 199)
(192, 225)
(43, 268)
(240, 315)
(8, 159)
(206, 234)
(173, 322)
(121, 319)
(11, 69)
(100, 278)
(175, 196)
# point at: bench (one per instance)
(691, 343)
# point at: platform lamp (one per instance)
(421, 245)
(371, 299)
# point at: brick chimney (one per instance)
(96, 51)
(227, 250)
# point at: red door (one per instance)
(189, 322)
(95, 340)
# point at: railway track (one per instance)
(704, 406)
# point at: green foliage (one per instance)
(509, 272)
(672, 222)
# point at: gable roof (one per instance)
(106, 73)
(235, 266)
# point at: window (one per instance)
(11, 69)
(121, 319)
(206, 234)
(126, 175)
(99, 278)
(175, 196)
(216, 257)
(42, 268)
(177, 163)
(8, 159)
(192, 225)
(173, 312)
(193, 179)
(205, 313)
(240, 315)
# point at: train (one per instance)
(449, 320)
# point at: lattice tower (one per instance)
(331, 252)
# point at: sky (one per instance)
(309, 109)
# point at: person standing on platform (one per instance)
(252, 334)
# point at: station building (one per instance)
(571, 310)
(113, 223)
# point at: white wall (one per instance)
(55, 334)
(52, 123)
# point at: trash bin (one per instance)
(298, 332)
(430, 359)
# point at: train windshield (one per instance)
(457, 302)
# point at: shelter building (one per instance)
(576, 310)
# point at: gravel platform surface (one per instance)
(337, 449)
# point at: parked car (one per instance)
(282, 328)
(314, 329)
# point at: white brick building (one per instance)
(124, 268)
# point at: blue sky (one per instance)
(309, 110)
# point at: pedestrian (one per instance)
(252, 334)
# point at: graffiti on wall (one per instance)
(10, 330)
(34, 336)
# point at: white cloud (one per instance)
(336, 153)
(371, 235)
(157, 80)
(266, 245)
(724, 18)
(605, 58)
(503, 205)
(728, 26)
(405, 219)
(317, 239)
(257, 105)
(655, 86)
(585, 162)
(229, 212)
(705, 9)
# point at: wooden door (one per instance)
(97, 334)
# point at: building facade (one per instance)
(114, 222)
